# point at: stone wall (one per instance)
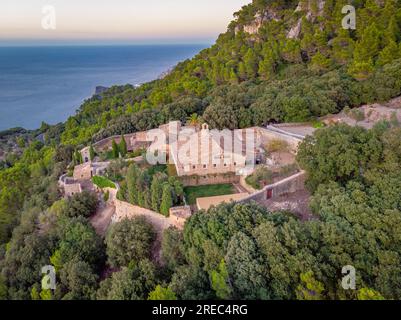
(195, 180)
(83, 172)
(125, 210)
(71, 189)
(286, 186)
(134, 141)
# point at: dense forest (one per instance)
(260, 70)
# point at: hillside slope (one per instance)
(277, 61)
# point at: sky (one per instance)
(114, 21)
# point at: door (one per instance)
(269, 194)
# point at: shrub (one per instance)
(261, 177)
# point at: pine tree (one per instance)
(366, 50)
(251, 64)
(156, 191)
(167, 201)
(123, 146)
(115, 150)
(77, 157)
(147, 199)
(92, 153)
(369, 45)
(132, 189)
(320, 62)
(388, 54)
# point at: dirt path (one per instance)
(102, 219)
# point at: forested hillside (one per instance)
(279, 61)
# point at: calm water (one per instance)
(49, 83)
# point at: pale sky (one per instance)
(146, 21)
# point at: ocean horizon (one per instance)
(49, 83)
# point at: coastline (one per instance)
(57, 82)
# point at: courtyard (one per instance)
(194, 192)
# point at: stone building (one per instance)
(89, 169)
(206, 153)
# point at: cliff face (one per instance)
(309, 12)
(310, 9)
(260, 18)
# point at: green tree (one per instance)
(191, 283)
(77, 157)
(167, 200)
(389, 53)
(3, 289)
(132, 184)
(92, 153)
(46, 294)
(161, 293)
(156, 190)
(245, 269)
(134, 283)
(172, 248)
(310, 288)
(81, 204)
(339, 153)
(123, 146)
(115, 149)
(369, 294)
(129, 240)
(79, 280)
(366, 50)
(220, 281)
(78, 240)
(35, 293)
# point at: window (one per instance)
(225, 164)
(204, 166)
(235, 163)
(215, 165)
(193, 167)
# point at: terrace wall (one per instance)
(189, 181)
(286, 186)
(125, 210)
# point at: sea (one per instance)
(50, 83)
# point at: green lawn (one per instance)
(192, 193)
(103, 182)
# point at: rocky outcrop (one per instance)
(253, 28)
(295, 31)
(100, 90)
